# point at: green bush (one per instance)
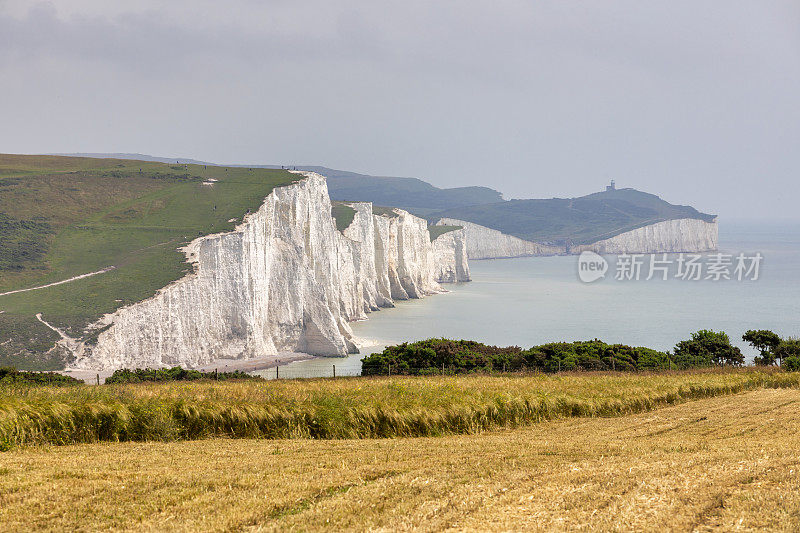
(792, 364)
(765, 341)
(177, 373)
(11, 376)
(788, 351)
(457, 356)
(706, 348)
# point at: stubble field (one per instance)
(726, 462)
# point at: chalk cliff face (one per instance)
(450, 256)
(284, 280)
(487, 243)
(681, 235)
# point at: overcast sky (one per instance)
(697, 101)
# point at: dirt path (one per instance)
(101, 271)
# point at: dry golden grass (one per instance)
(724, 463)
(350, 408)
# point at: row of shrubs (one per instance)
(12, 376)
(774, 349)
(446, 355)
(705, 348)
(177, 373)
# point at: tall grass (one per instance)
(347, 408)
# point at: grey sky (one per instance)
(697, 101)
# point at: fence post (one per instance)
(216, 374)
(504, 368)
(613, 365)
(277, 372)
(390, 369)
(334, 370)
(98, 379)
(443, 369)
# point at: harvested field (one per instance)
(724, 463)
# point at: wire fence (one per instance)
(346, 369)
(334, 371)
(305, 372)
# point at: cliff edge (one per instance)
(681, 235)
(284, 280)
(669, 236)
(487, 243)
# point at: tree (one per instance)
(792, 364)
(765, 341)
(788, 351)
(707, 347)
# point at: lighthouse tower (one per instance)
(611, 187)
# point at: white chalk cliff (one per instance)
(450, 256)
(284, 280)
(487, 243)
(679, 235)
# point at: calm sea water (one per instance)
(529, 301)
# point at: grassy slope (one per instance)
(580, 220)
(436, 231)
(415, 195)
(384, 211)
(714, 464)
(411, 194)
(343, 214)
(102, 212)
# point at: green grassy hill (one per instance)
(436, 231)
(577, 220)
(343, 214)
(412, 194)
(62, 217)
(557, 220)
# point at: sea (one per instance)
(533, 300)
